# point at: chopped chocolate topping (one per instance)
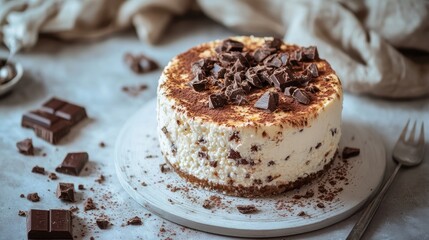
(247, 209)
(312, 70)
(89, 205)
(276, 43)
(134, 221)
(268, 101)
(102, 222)
(26, 147)
(230, 45)
(140, 63)
(199, 85)
(65, 191)
(349, 152)
(164, 168)
(34, 197)
(289, 91)
(320, 205)
(310, 53)
(217, 100)
(39, 170)
(301, 96)
(312, 89)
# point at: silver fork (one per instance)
(406, 153)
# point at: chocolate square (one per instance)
(72, 113)
(73, 163)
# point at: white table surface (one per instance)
(93, 73)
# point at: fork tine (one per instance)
(422, 135)
(413, 131)
(404, 131)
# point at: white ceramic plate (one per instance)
(138, 158)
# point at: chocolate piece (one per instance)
(102, 144)
(72, 113)
(38, 118)
(312, 89)
(89, 205)
(301, 96)
(312, 70)
(22, 213)
(279, 79)
(52, 176)
(218, 71)
(230, 45)
(73, 163)
(198, 85)
(349, 152)
(140, 63)
(81, 187)
(52, 224)
(26, 146)
(134, 221)
(261, 53)
(54, 133)
(164, 168)
(247, 209)
(100, 179)
(217, 100)
(320, 205)
(289, 91)
(102, 222)
(52, 105)
(284, 58)
(65, 191)
(39, 170)
(310, 53)
(268, 101)
(34, 197)
(253, 78)
(276, 43)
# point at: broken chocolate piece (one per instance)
(73, 163)
(217, 100)
(22, 213)
(52, 224)
(89, 205)
(247, 209)
(34, 197)
(261, 53)
(52, 176)
(310, 53)
(289, 91)
(26, 147)
(39, 170)
(134, 221)
(301, 96)
(312, 70)
(102, 222)
(140, 63)
(164, 168)
(279, 80)
(65, 191)
(268, 101)
(349, 152)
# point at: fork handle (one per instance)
(366, 217)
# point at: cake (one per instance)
(249, 116)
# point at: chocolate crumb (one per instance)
(22, 213)
(320, 205)
(89, 205)
(144, 184)
(100, 179)
(81, 187)
(247, 209)
(349, 152)
(102, 144)
(52, 176)
(39, 170)
(22, 196)
(65, 191)
(302, 214)
(134, 221)
(164, 168)
(26, 146)
(271, 163)
(74, 209)
(34, 197)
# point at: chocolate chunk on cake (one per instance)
(269, 114)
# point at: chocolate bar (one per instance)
(54, 119)
(73, 163)
(49, 224)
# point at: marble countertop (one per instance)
(92, 74)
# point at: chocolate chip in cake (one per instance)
(247, 209)
(312, 89)
(301, 97)
(34, 197)
(267, 101)
(261, 53)
(213, 164)
(39, 170)
(100, 179)
(217, 100)
(230, 45)
(199, 85)
(349, 152)
(203, 155)
(26, 146)
(134, 221)
(65, 191)
(271, 163)
(275, 43)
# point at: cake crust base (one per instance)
(252, 191)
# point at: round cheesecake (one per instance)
(249, 116)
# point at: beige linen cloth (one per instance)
(368, 41)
